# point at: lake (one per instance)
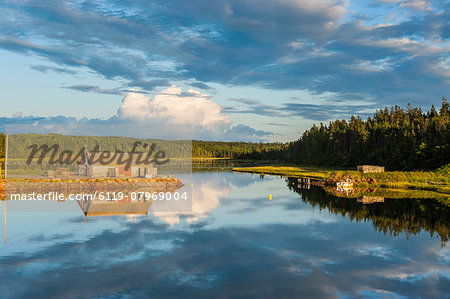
(235, 242)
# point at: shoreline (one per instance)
(39, 186)
(398, 180)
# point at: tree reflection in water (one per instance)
(394, 216)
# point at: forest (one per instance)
(397, 138)
(19, 143)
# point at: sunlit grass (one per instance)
(290, 171)
(431, 180)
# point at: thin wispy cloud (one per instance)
(46, 68)
(319, 111)
(277, 124)
(91, 88)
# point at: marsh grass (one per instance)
(289, 171)
(436, 181)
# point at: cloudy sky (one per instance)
(229, 69)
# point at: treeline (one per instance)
(18, 146)
(400, 139)
(19, 143)
(235, 150)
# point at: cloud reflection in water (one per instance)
(235, 242)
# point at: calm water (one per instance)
(235, 242)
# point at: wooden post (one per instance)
(6, 155)
(4, 216)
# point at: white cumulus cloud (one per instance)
(183, 113)
(172, 106)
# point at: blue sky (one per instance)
(243, 69)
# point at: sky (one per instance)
(249, 70)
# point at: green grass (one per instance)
(444, 169)
(289, 171)
(416, 180)
(392, 193)
(437, 181)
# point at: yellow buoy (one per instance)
(270, 196)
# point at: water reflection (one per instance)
(388, 215)
(95, 208)
(367, 200)
(205, 198)
(235, 242)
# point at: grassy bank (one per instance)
(415, 180)
(290, 171)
